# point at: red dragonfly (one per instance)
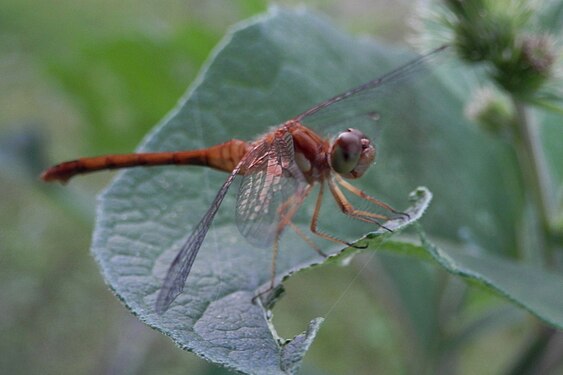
(279, 170)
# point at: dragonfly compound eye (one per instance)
(351, 154)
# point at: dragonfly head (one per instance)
(351, 153)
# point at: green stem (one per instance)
(529, 361)
(535, 173)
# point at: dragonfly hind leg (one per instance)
(275, 249)
(271, 287)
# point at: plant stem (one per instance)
(535, 173)
(534, 352)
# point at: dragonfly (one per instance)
(279, 170)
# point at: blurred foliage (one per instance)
(114, 83)
(92, 77)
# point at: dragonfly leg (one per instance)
(286, 220)
(309, 242)
(275, 249)
(286, 211)
(315, 220)
(347, 208)
(360, 193)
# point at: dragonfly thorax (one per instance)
(351, 153)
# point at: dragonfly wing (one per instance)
(376, 101)
(180, 268)
(272, 189)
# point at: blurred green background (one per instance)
(90, 77)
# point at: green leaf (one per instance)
(124, 84)
(530, 287)
(263, 73)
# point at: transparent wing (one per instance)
(181, 265)
(378, 101)
(272, 189)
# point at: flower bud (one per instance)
(491, 111)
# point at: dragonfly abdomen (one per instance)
(224, 157)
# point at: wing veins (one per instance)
(181, 266)
(393, 76)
